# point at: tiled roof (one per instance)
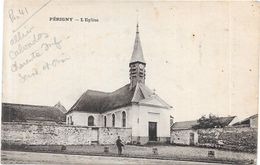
(245, 120)
(225, 121)
(184, 124)
(99, 102)
(61, 107)
(189, 124)
(23, 113)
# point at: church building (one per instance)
(132, 106)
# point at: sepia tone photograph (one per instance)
(130, 82)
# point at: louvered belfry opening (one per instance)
(137, 63)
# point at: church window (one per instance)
(105, 121)
(123, 119)
(113, 120)
(90, 121)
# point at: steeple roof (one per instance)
(137, 55)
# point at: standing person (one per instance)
(119, 145)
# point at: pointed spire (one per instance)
(137, 55)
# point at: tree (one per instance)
(211, 121)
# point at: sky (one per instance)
(202, 57)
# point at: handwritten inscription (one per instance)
(36, 54)
(54, 63)
(32, 52)
(19, 36)
(15, 15)
(46, 66)
(23, 47)
(29, 50)
(26, 76)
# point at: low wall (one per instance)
(108, 135)
(230, 138)
(240, 139)
(36, 134)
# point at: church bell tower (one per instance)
(137, 63)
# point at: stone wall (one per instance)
(182, 137)
(36, 134)
(230, 138)
(108, 135)
(240, 139)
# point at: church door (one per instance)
(152, 131)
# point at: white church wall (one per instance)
(118, 117)
(81, 118)
(137, 118)
(133, 115)
(155, 114)
(141, 115)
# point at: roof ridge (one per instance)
(227, 117)
(91, 90)
(120, 88)
(95, 91)
(32, 105)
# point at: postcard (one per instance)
(130, 82)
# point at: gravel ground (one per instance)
(164, 152)
(15, 157)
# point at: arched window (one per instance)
(90, 121)
(105, 121)
(113, 120)
(123, 119)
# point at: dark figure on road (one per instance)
(119, 145)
